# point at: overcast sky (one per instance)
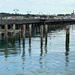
(38, 6)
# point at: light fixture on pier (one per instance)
(15, 10)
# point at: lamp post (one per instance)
(28, 12)
(15, 10)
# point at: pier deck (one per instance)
(33, 21)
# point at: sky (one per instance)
(38, 6)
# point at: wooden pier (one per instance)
(33, 21)
(18, 26)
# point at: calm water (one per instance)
(52, 59)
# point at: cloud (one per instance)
(46, 6)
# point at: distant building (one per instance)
(72, 15)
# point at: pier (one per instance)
(27, 44)
(18, 26)
(33, 21)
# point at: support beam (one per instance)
(19, 34)
(6, 34)
(45, 34)
(14, 33)
(24, 34)
(29, 34)
(67, 34)
(41, 27)
(14, 26)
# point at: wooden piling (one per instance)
(36, 29)
(46, 34)
(14, 33)
(14, 26)
(24, 34)
(29, 34)
(0, 27)
(41, 27)
(67, 34)
(6, 33)
(19, 34)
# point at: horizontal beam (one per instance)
(31, 21)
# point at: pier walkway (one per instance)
(33, 21)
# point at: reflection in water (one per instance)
(23, 45)
(13, 45)
(19, 45)
(41, 56)
(67, 52)
(67, 46)
(46, 41)
(23, 53)
(9, 49)
(67, 55)
(23, 57)
(41, 52)
(48, 58)
(45, 50)
(30, 50)
(6, 51)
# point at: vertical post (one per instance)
(6, 34)
(41, 27)
(45, 34)
(13, 37)
(0, 27)
(14, 26)
(2, 33)
(24, 34)
(29, 34)
(67, 34)
(19, 34)
(36, 28)
(67, 43)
